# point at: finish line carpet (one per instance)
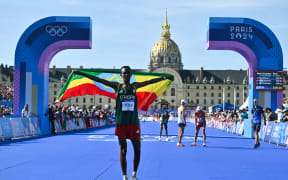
(94, 155)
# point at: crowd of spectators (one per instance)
(61, 113)
(6, 93)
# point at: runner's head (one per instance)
(183, 102)
(125, 73)
(199, 108)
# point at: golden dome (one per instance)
(165, 52)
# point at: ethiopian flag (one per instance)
(78, 85)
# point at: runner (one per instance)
(127, 122)
(164, 121)
(199, 122)
(257, 115)
(181, 122)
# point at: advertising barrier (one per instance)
(6, 127)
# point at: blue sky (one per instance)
(124, 31)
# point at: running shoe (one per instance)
(256, 145)
(204, 144)
(125, 178)
(193, 144)
(180, 145)
(167, 139)
(159, 138)
(133, 178)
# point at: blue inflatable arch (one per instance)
(34, 52)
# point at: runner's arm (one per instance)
(152, 81)
(113, 85)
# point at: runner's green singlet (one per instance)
(126, 106)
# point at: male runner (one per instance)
(257, 115)
(164, 121)
(181, 122)
(127, 122)
(199, 122)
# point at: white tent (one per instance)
(245, 104)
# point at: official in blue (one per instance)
(256, 118)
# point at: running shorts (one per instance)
(128, 131)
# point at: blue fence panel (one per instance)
(269, 130)
(284, 135)
(6, 127)
(18, 127)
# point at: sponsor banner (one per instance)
(237, 127)
(263, 131)
(234, 129)
(34, 126)
(269, 130)
(1, 136)
(26, 124)
(18, 127)
(6, 127)
(241, 128)
(284, 135)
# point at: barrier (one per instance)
(6, 127)
(273, 132)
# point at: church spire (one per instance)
(166, 33)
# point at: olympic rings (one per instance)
(56, 30)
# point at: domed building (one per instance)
(165, 52)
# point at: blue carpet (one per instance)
(94, 155)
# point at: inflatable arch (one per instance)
(262, 51)
(34, 52)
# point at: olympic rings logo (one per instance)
(56, 30)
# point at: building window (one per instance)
(188, 94)
(188, 87)
(228, 87)
(237, 95)
(197, 94)
(237, 87)
(284, 95)
(204, 101)
(204, 87)
(212, 94)
(229, 101)
(91, 100)
(197, 101)
(69, 100)
(84, 100)
(100, 100)
(219, 101)
(55, 92)
(212, 101)
(245, 88)
(76, 100)
(197, 87)
(55, 85)
(219, 94)
(219, 88)
(109, 100)
(172, 91)
(228, 94)
(237, 101)
(204, 94)
(172, 101)
(212, 87)
(245, 95)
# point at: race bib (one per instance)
(128, 105)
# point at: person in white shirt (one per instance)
(26, 113)
(181, 122)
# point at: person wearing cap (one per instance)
(181, 122)
(256, 118)
(199, 122)
(127, 122)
